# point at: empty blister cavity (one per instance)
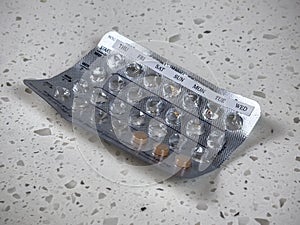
(194, 128)
(98, 75)
(115, 61)
(80, 104)
(82, 86)
(133, 70)
(197, 154)
(215, 139)
(154, 106)
(190, 100)
(118, 107)
(98, 97)
(116, 83)
(100, 117)
(234, 122)
(177, 142)
(200, 155)
(157, 130)
(134, 94)
(152, 80)
(171, 90)
(137, 118)
(212, 111)
(61, 93)
(81, 110)
(120, 127)
(173, 117)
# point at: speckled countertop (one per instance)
(252, 46)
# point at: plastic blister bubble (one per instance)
(151, 108)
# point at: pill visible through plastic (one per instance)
(161, 150)
(146, 105)
(183, 161)
(140, 138)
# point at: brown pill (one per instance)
(139, 137)
(183, 161)
(161, 150)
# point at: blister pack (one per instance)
(147, 106)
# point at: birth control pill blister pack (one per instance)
(147, 106)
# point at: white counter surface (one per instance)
(253, 48)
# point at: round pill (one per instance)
(183, 161)
(139, 137)
(161, 150)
